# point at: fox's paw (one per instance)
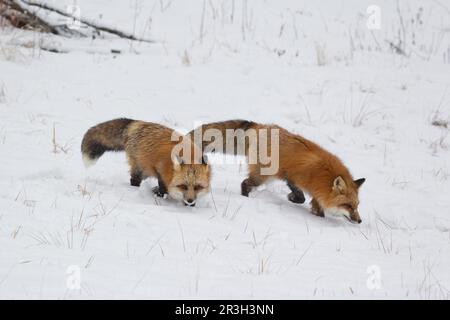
(135, 182)
(296, 198)
(158, 192)
(246, 187)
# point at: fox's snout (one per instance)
(352, 216)
(357, 220)
(189, 202)
(355, 217)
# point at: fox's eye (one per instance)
(198, 187)
(348, 207)
(182, 186)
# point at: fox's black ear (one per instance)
(359, 182)
(204, 159)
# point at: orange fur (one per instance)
(305, 166)
(148, 147)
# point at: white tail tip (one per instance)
(88, 162)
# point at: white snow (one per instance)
(312, 67)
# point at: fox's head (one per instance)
(189, 181)
(343, 199)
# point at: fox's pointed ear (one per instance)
(177, 162)
(339, 185)
(359, 182)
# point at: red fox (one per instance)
(303, 164)
(148, 147)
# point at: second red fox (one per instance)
(305, 166)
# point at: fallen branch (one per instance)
(91, 24)
(20, 17)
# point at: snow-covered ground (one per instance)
(313, 67)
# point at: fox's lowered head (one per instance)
(189, 181)
(343, 199)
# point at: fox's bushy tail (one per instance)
(105, 136)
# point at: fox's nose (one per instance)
(359, 220)
(190, 202)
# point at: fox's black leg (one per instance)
(136, 173)
(254, 179)
(296, 195)
(136, 178)
(161, 189)
(248, 184)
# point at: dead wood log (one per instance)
(18, 13)
(19, 17)
(92, 24)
